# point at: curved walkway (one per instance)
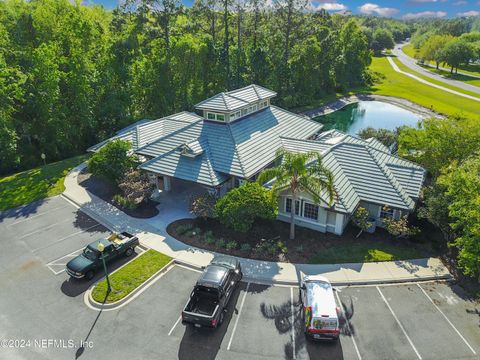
(156, 237)
(412, 64)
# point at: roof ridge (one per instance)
(332, 155)
(253, 86)
(211, 170)
(391, 179)
(236, 150)
(308, 118)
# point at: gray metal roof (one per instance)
(236, 99)
(241, 148)
(364, 172)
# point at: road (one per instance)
(412, 64)
(43, 310)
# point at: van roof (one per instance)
(320, 298)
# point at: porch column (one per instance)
(166, 183)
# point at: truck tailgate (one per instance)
(198, 319)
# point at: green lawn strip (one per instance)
(473, 69)
(433, 81)
(400, 85)
(35, 184)
(131, 276)
(359, 253)
(459, 77)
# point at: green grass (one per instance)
(473, 69)
(129, 277)
(359, 253)
(35, 184)
(433, 81)
(396, 84)
(459, 77)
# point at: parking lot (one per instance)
(38, 301)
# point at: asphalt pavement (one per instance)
(43, 314)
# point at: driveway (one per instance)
(412, 64)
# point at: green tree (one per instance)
(112, 161)
(300, 172)
(456, 53)
(432, 49)
(382, 39)
(438, 142)
(385, 136)
(462, 183)
(239, 208)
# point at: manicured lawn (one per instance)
(433, 81)
(356, 253)
(409, 50)
(35, 184)
(396, 84)
(129, 277)
(459, 77)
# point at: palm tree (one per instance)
(300, 172)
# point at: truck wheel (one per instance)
(129, 252)
(89, 274)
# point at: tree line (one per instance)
(453, 42)
(71, 75)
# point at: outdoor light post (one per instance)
(101, 248)
(43, 156)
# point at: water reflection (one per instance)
(376, 114)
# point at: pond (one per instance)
(355, 117)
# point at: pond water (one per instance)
(355, 117)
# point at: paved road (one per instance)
(42, 309)
(412, 64)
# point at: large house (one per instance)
(237, 135)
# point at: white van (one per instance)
(320, 311)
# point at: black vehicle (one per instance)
(89, 261)
(210, 296)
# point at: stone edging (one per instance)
(347, 100)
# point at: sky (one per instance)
(401, 9)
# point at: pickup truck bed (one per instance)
(203, 305)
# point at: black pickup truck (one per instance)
(210, 296)
(89, 261)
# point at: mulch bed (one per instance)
(106, 191)
(312, 242)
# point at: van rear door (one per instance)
(324, 327)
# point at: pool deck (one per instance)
(347, 100)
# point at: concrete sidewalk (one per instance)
(157, 238)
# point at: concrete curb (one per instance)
(95, 305)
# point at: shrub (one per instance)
(124, 202)
(361, 219)
(246, 248)
(239, 208)
(136, 186)
(400, 228)
(194, 232)
(182, 229)
(112, 161)
(231, 245)
(220, 243)
(202, 206)
(209, 238)
(282, 247)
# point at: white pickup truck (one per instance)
(320, 311)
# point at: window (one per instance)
(244, 112)
(232, 116)
(310, 211)
(386, 212)
(215, 116)
(254, 107)
(265, 103)
(288, 206)
(237, 114)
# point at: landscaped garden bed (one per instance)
(107, 191)
(131, 276)
(269, 240)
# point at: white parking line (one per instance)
(174, 325)
(44, 228)
(445, 316)
(238, 317)
(35, 216)
(66, 237)
(399, 324)
(293, 323)
(348, 326)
